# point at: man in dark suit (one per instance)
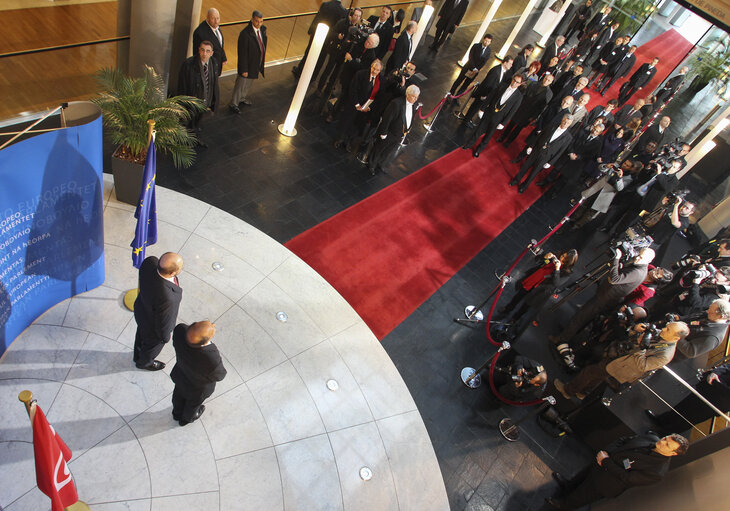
(156, 306)
(604, 112)
(478, 56)
(450, 15)
(670, 87)
(383, 26)
(655, 133)
(708, 333)
(610, 54)
(339, 41)
(403, 46)
(599, 21)
(566, 80)
(641, 77)
(497, 76)
(534, 100)
(497, 113)
(618, 70)
(550, 146)
(198, 366)
(209, 30)
(631, 461)
(573, 89)
(624, 114)
(548, 120)
(198, 78)
(399, 116)
(329, 13)
(552, 50)
(580, 20)
(360, 97)
(252, 43)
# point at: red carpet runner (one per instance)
(671, 48)
(387, 254)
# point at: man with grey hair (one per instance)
(403, 46)
(549, 147)
(707, 334)
(398, 119)
(209, 30)
(670, 87)
(579, 110)
(252, 43)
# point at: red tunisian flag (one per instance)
(51, 471)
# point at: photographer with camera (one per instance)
(707, 333)
(693, 291)
(647, 349)
(342, 38)
(623, 277)
(523, 380)
(656, 277)
(671, 216)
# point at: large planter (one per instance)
(127, 179)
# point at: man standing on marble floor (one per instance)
(156, 306)
(198, 367)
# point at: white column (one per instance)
(705, 145)
(482, 29)
(422, 24)
(558, 18)
(528, 9)
(288, 128)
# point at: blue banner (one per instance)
(51, 223)
(146, 214)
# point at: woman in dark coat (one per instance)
(536, 288)
(613, 144)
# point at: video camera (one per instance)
(668, 154)
(526, 376)
(357, 34)
(630, 243)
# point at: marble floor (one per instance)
(273, 436)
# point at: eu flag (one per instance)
(146, 213)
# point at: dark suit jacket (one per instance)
(550, 51)
(623, 66)
(394, 119)
(622, 116)
(450, 16)
(652, 134)
(642, 76)
(670, 87)
(491, 81)
(205, 33)
(506, 111)
(597, 23)
(249, 52)
(534, 101)
(400, 52)
(329, 13)
(360, 88)
(385, 33)
(595, 113)
(190, 80)
(568, 91)
(519, 62)
(604, 37)
(565, 80)
(586, 149)
(549, 152)
(156, 306)
(477, 58)
(197, 369)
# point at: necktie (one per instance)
(177, 282)
(205, 73)
(261, 44)
(377, 26)
(218, 35)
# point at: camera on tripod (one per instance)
(630, 243)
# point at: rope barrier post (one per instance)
(429, 125)
(509, 428)
(471, 377)
(473, 313)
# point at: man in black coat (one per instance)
(670, 87)
(361, 94)
(329, 13)
(496, 77)
(534, 100)
(707, 334)
(403, 46)
(339, 41)
(638, 80)
(497, 113)
(156, 306)
(618, 69)
(714, 386)
(624, 114)
(604, 112)
(631, 461)
(383, 26)
(657, 132)
(550, 146)
(580, 20)
(566, 80)
(198, 366)
(548, 120)
(399, 117)
(450, 15)
(478, 56)
(252, 43)
(552, 50)
(599, 21)
(199, 78)
(209, 30)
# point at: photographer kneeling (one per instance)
(523, 380)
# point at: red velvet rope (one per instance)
(467, 91)
(496, 299)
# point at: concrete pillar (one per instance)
(187, 19)
(151, 27)
(124, 7)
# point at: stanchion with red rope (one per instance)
(469, 375)
(437, 109)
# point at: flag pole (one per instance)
(131, 295)
(26, 397)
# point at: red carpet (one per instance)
(387, 254)
(671, 49)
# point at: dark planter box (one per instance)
(127, 180)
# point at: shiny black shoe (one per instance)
(155, 365)
(513, 182)
(650, 414)
(471, 125)
(522, 189)
(234, 109)
(195, 417)
(476, 153)
(562, 482)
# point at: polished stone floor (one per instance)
(275, 434)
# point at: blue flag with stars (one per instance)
(146, 213)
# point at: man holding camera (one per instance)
(630, 461)
(523, 380)
(338, 43)
(625, 362)
(671, 217)
(622, 279)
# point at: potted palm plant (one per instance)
(127, 104)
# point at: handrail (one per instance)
(226, 24)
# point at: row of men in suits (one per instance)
(198, 364)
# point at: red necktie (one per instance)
(177, 282)
(261, 44)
